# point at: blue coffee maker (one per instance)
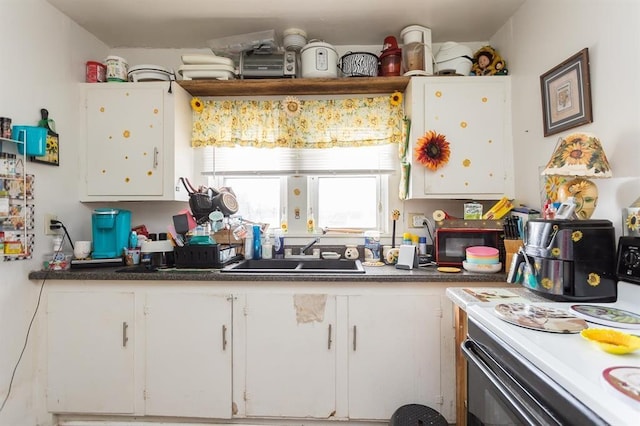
(111, 229)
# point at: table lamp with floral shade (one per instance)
(579, 156)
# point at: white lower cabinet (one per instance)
(394, 353)
(187, 355)
(290, 355)
(272, 353)
(90, 352)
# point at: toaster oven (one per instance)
(255, 64)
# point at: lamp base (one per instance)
(584, 193)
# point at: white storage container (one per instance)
(117, 68)
(319, 60)
(454, 58)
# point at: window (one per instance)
(261, 198)
(341, 187)
(347, 201)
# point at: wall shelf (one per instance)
(295, 86)
(16, 227)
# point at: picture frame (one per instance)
(52, 153)
(566, 94)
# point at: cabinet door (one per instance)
(394, 353)
(290, 355)
(124, 140)
(188, 355)
(474, 115)
(90, 352)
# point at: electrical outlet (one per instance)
(416, 220)
(47, 224)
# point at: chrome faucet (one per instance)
(309, 245)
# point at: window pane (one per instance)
(258, 198)
(347, 202)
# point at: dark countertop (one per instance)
(372, 274)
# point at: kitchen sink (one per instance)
(300, 266)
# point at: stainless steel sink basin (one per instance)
(300, 266)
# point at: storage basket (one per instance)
(206, 256)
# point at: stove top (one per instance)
(571, 361)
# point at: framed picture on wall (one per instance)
(566, 94)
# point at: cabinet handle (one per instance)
(124, 334)
(329, 339)
(155, 157)
(224, 337)
(355, 331)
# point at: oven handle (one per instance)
(519, 405)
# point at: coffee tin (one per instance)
(117, 69)
(96, 72)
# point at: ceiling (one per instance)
(190, 23)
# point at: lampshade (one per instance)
(579, 155)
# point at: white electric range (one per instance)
(574, 366)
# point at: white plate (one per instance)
(487, 268)
(606, 315)
(204, 59)
(150, 73)
(194, 72)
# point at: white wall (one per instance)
(43, 59)
(542, 34)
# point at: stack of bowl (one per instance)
(482, 259)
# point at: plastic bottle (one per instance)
(267, 248)
(422, 245)
(248, 246)
(133, 239)
(406, 238)
(278, 244)
(257, 243)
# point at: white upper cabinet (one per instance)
(137, 139)
(474, 115)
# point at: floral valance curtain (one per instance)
(295, 123)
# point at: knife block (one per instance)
(511, 247)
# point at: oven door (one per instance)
(503, 388)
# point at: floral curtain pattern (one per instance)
(293, 123)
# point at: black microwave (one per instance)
(452, 243)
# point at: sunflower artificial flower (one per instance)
(196, 104)
(432, 150)
(396, 98)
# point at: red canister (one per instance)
(96, 72)
(390, 62)
(391, 57)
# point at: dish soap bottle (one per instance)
(257, 243)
